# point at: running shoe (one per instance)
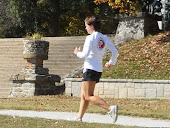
(114, 112)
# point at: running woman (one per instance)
(93, 52)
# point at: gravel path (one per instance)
(90, 118)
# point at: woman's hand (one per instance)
(76, 50)
(107, 65)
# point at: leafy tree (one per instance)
(49, 11)
(23, 12)
(35, 16)
(3, 18)
(72, 16)
(75, 11)
(54, 17)
(6, 19)
(122, 6)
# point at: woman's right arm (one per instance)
(86, 48)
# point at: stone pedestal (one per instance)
(34, 79)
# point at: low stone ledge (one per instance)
(73, 79)
(123, 88)
(124, 80)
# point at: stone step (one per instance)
(8, 74)
(61, 59)
(63, 67)
(2, 41)
(62, 50)
(52, 70)
(11, 46)
(4, 94)
(61, 73)
(5, 90)
(4, 79)
(52, 60)
(57, 41)
(3, 75)
(10, 52)
(51, 50)
(61, 63)
(15, 66)
(20, 56)
(11, 63)
(59, 70)
(19, 48)
(64, 59)
(62, 54)
(64, 62)
(11, 55)
(6, 84)
(50, 39)
(64, 38)
(4, 69)
(22, 63)
(66, 44)
(50, 53)
(56, 46)
(7, 69)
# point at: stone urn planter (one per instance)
(34, 79)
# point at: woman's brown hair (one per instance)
(93, 20)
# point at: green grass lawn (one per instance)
(132, 107)
(147, 58)
(18, 122)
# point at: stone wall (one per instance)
(135, 27)
(123, 88)
(129, 29)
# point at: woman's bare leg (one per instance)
(87, 96)
(83, 105)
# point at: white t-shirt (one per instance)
(93, 51)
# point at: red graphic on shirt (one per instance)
(101, 44)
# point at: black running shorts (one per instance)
(91, 75)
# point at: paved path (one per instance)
(90, 118)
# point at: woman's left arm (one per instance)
(114, 52)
